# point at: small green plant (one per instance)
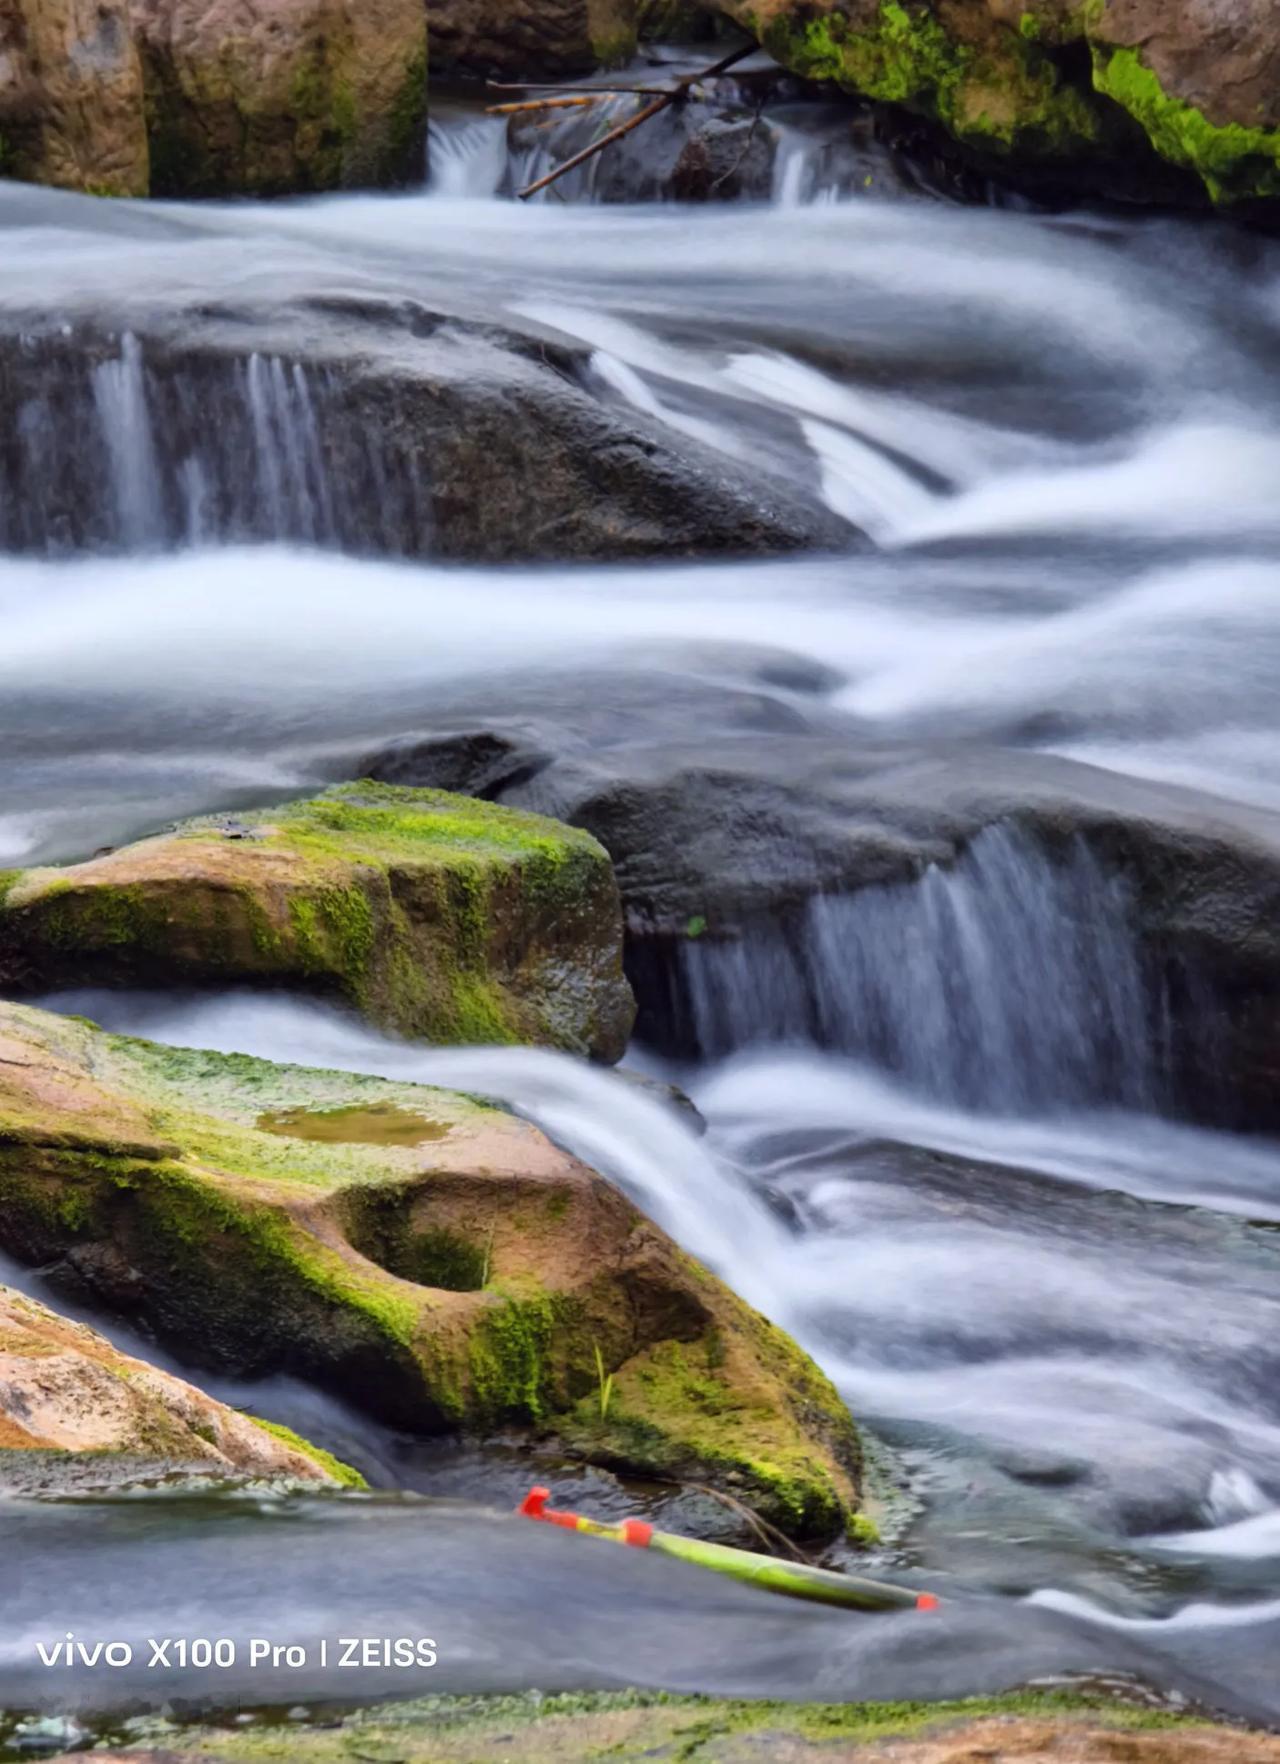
(487, 1269)
(606, 1383)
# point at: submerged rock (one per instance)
(521, 39)
(65, 1389)
(264, 97)
(1104, 93)
(435, 916)
(435, 1260)
(71, 96)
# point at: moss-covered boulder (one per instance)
(261, 97)
(430, 1257)
(524, 38)
(438, 917)
(1074, 86)
(66, 1389)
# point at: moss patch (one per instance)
(1003, 95)
(341, 1473)
(631, 1726)
(1235, 163)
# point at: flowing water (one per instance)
(941, 1148)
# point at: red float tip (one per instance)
(928, 1602)
(532, 1505)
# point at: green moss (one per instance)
(341, 1473)
(862, 1530)
(433, 915)
(1003, 95)
(406, 126)
(1234, 162)
(629, 1727)
(671, 1413)
(517, 1350)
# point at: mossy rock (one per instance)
(431, 1258)
(437, 917)
(646, 1728)
(1076, 87)
(262, 100)
(66, 1391)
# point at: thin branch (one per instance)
(642, 116)
(543, 104)
(739, 162)
(599, 91)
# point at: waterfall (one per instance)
(145, 449)
(1011, 982)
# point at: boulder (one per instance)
(373, 425)
(265, 97)
(523, 39)
(434, 916)
(66, 1389)
(1072, 87)
(728, 812)
(71, 105)
(435, 1260)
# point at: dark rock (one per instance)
(521, 39)
(728, 812)
(410, 432)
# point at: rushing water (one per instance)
(939, 1149)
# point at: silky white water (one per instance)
(1057, 441)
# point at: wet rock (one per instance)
(435, 1260)
(71, 96)
(1184, 90)
(722, 833)
(263, 98)
(65, 1390)
(686, 154)
(411, 432)
(523, 39)
(434, 916)
(675, 21)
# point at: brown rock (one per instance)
(71, 109)
(436, 1260)
(259, 97)
(525, 38)
(1065, 87)
(438, 917)
(65, 1388)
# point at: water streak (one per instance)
(1011, 982)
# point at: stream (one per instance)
(943, 1143)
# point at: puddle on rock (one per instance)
(383, 1124)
